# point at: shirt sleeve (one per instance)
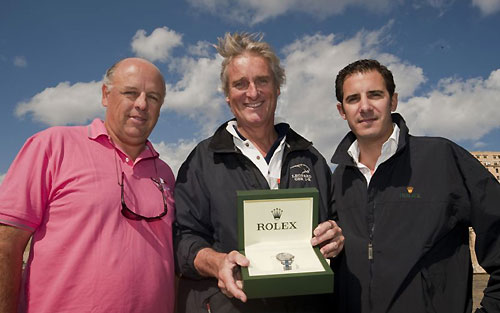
(193, 230)
(25, 191)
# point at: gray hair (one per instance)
(233, 45)
(107, 79)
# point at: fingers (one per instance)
(230, 282)
(238, 258)
(329, 236)
(333, 248)
(325, 231)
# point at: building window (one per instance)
(496, 170)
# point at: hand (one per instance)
(229, 275)
(329, 236)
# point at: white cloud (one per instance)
(255, 11)
(196, 94)
(456, 109)
(174, 154)
(157, 46)
(487, 7)
(20, 61)
(64, 104)
(479, 144)
(308, 100)
(202, 49)
(440, 5)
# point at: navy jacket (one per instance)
(414, 219)
(205, 196)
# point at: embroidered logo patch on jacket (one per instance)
(409, 193)
(300, 172)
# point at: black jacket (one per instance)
(205, 196)
(415, 214)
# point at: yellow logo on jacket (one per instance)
(409, 194)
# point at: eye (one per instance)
(154, 98)
(240, 85)
(352, 99)
(262, 81)
(130, 93)
(376, 94)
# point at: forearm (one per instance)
(208, 261)
(12, 244)
(10, 282)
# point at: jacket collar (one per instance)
(341, 156)
(222, 141)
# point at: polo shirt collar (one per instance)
(97, 129)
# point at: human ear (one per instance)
(341, 110)
(104, 97)
(394, 102)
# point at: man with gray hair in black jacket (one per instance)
(252, 151)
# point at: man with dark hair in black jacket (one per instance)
(404, 204)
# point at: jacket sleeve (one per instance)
(324, 183)
(192, 229)
(484, 197)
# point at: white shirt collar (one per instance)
(389, 148)
(271, 171)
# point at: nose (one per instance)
(140, 101)
(252, 91)
(364, 104)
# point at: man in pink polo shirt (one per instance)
(98, 204)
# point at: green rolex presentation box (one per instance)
(274, 232)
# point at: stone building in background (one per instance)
(490, 160)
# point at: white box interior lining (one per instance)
(263, 260)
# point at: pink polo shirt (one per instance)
(85, 255)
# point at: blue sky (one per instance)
(445, 55)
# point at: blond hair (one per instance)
(233, 45)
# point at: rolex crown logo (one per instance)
(277, 213)
(409, 189)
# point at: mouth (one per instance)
(367, 120)
(254, 104)
(138, 119)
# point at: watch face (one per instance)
(286, 259)
(284, 256)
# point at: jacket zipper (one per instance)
(371, 254)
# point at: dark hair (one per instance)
(363, 66)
